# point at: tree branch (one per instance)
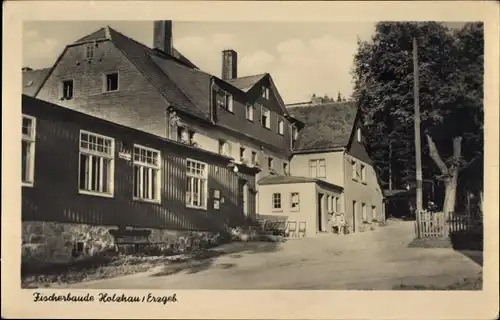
(434, 154)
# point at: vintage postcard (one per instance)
(250, 160)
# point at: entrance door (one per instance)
(244, 196)
(320, 212)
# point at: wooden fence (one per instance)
(439, 225)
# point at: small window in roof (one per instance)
(30, 83)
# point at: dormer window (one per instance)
(265, 118)
(227, 101)
(89, 51)
(358, 133)
(265, 92)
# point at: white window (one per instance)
(265, 92)
(266, 118)
(228, 101)
(276, 200)
(196, 184)
(363, 173)
(147, 184)
(295, 201)
(329, 203)
(89, 51)
(111, 82)
(249, 112)
(281, 129)
(317, 168)
(28, 150)
(363, 211)
(96, 164)
(354, 169)
(67, 89)
(359, 134)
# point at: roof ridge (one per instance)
(254, 75)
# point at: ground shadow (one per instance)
(469, 243)
(206, 259)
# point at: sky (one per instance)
(302, 57)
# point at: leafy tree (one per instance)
(451, 104)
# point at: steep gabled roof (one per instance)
(246, 83)
(32, 80)
(327, 126)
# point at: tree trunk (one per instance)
(451, 174)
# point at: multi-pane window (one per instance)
(254, 157)
(67, 89)
(89, 51)
(363, 211)
(249, 112)
(196, 184)
(28, 150)
(146, 173)
(96, 163)
(266, 118)
(317, 168)
(363, 173)
(276, 200)
(111, 81)
(295, 201)
(281, 129)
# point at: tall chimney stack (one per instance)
(229, 64)
(162, 36)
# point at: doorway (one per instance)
(320, 212)
(244, 196)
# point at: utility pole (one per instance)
(418, 155)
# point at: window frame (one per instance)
(62, 91)
(253, 158)
(105, 81)
(358, 134)
(243, 152)
(363, 173)
(157, 168)
(265, 112)
(229, 101)
(111, 158)
(270, 163)
(285, 167)
(317, 165)
(199, 178)
(354, 170)
(292, 208)
(281, 127)
(249, 112)
(31, 140)
(92, 47)
(273, 204)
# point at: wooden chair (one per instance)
(302, 228)
(292, 228)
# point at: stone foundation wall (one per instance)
(53, 242)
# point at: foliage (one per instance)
(451, 104)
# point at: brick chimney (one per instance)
(162, 36)
(229, 64)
